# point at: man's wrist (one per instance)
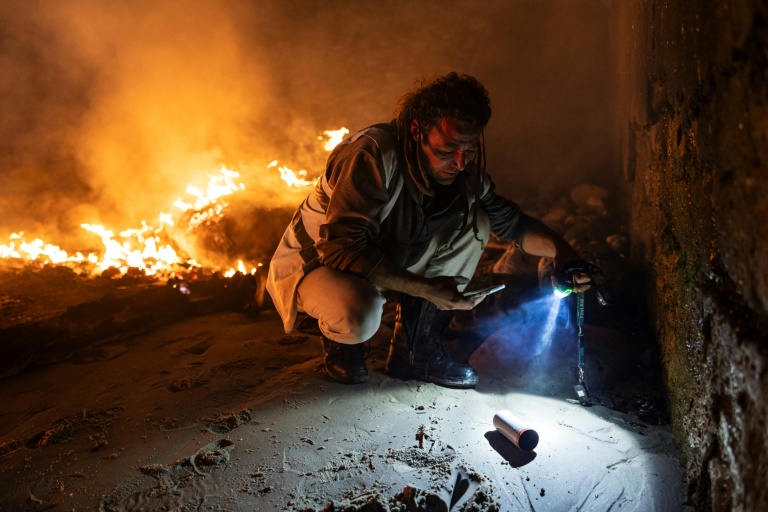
(395, 278)
(419, 285)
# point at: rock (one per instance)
(618, 243)
(555, 218)
(590, 196)
(586, 227)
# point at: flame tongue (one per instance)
(35, 249)
(293, 179)
(145, 254)
(334, 138)
(209, 204)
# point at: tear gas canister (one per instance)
(514, 429)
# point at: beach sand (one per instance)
(219, 410)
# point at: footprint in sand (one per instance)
(199, 348)
(228, 422)
(100, 354)
(182, 485)
(185, 384)
(293, 340)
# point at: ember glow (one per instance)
(151, 248)
(241, 268)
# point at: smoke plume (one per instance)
(109, 109)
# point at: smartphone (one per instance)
(483, 291)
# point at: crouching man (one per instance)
(404, 206)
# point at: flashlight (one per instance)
(513, 428)
(563, 282)
(563, 290)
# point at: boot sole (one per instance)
(457, 385)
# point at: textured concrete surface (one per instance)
(693, 128)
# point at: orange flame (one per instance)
(298, 179)
(145, 253)
(35, 249)
(208, 205)
(334, 138)
(293, 179)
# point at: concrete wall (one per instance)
(692, 121)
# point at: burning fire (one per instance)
(34, 249)
(293, 179)
(150, 256)
(334, 138)
(207, 206)
(150, 247)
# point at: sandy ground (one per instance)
(224, 411)
(121, 393)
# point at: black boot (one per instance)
(415, 351)
(345, 363)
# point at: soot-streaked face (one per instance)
(446, 150)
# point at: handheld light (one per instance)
(563, 283)
(563, 290)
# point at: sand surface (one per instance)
(224, 411)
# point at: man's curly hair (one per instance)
(460, 97)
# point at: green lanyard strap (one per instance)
(580, 323)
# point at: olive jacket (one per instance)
(366, 207)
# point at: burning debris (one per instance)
(174, 244)
(57, 304)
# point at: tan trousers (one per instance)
(349, 308)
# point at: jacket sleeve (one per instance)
(507, 219)
(353, 215)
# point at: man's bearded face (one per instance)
(446, 150)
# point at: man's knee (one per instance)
(348, 308)
(361, 319)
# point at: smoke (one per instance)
(531, 346)
(109, 109)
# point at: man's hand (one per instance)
(581, 282)
(579, 276)
(539, 240)
(443, 292)
(566, 254)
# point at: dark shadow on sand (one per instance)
(516, 457)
